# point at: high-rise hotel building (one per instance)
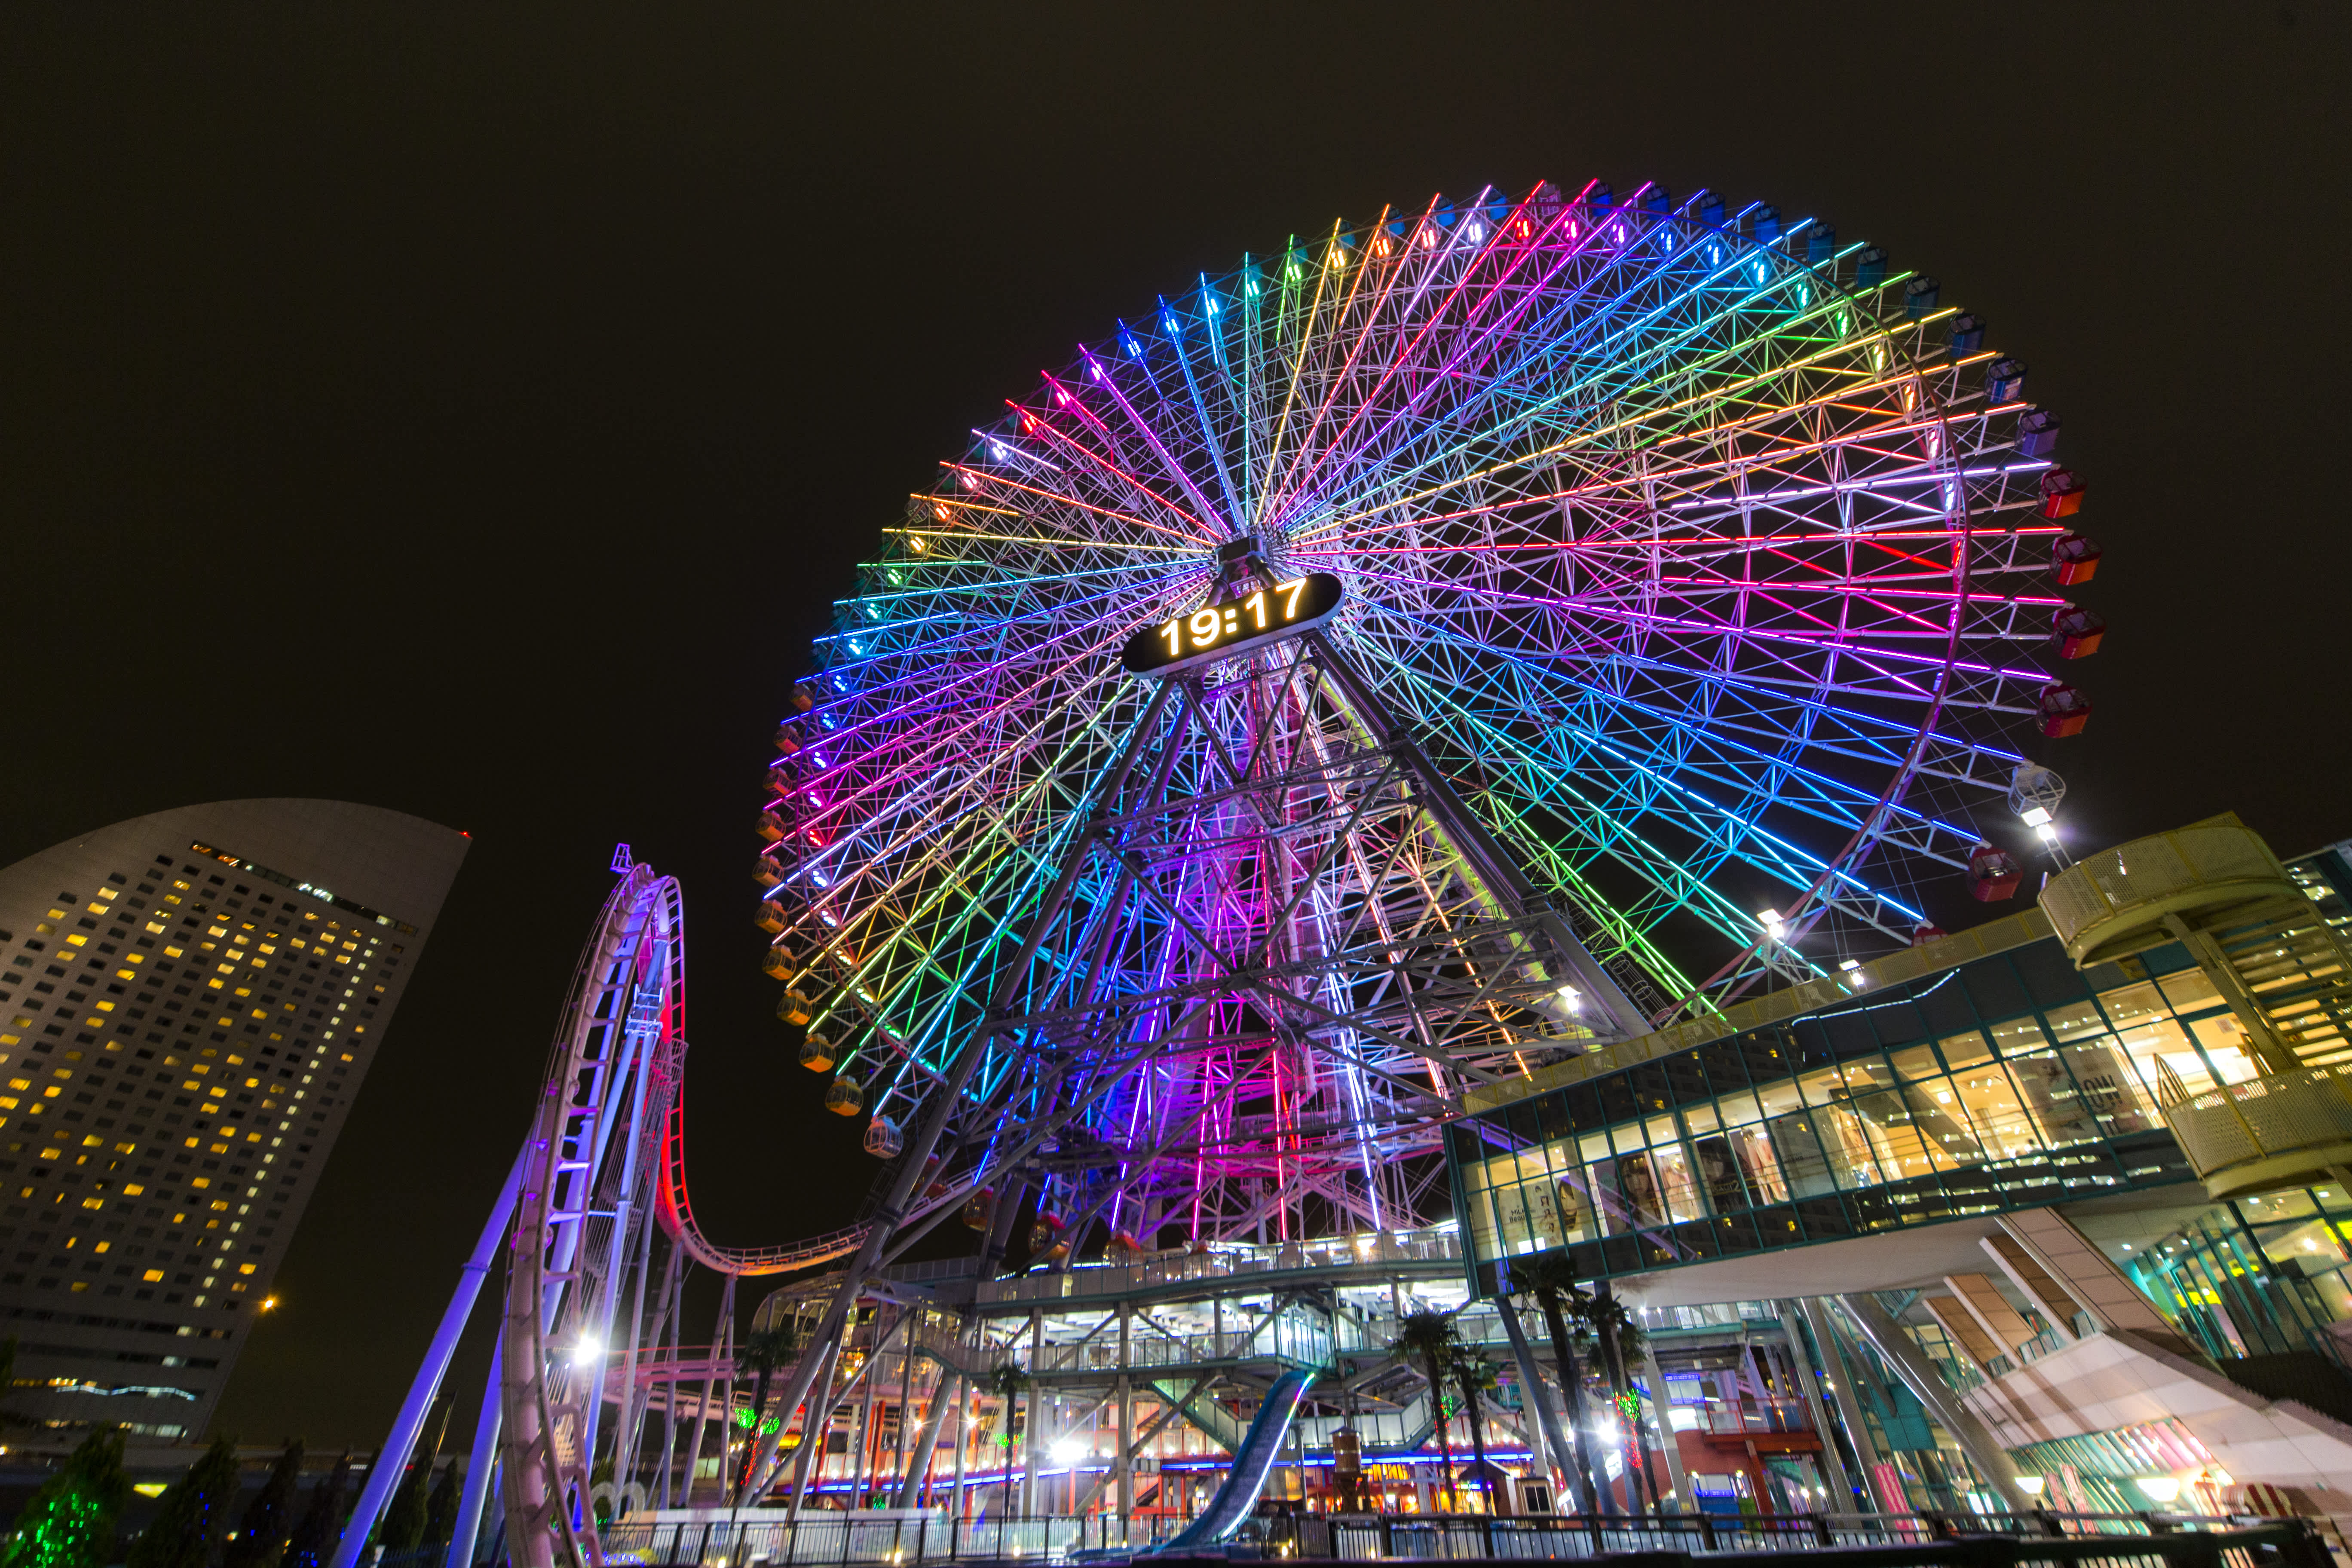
(188, 1002)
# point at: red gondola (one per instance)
(1993, 874)
(2073, 559)
(2065, 709)
(2078, 631)
(2061, 493)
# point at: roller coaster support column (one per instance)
(479, 1463)
(968, 1059)
(392, 1460)
(623, 1219)
(816, 1426)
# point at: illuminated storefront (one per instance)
(2010, 1080)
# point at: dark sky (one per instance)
(473, 410)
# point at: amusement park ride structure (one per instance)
(1507, 590)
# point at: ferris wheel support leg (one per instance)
(1471, 840)
(392, 1460)
(928, 1441)
(479, 1462)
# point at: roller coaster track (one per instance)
(677, 1217)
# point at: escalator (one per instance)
(1252, 1462)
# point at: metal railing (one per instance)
(2282, 1116)
(891, 1537)
(2038, 1539)
(1864, 1541)
(1090, 1281)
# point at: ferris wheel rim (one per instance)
(1144, 559)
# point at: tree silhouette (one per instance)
(441, 1508)
(314, 1539)
(261, 1531)
(1622, 1336)
(1475, 1374)
(1007, 1382)
(1428, 1336)
(70, 1522)
(757, 1358)
(1552, 1281)
(194, 1516)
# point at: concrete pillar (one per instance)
(1833, 1470)
(1897, 1349)
(1990, 1309)
(1667, 1442)
(2090, 1278)
(1962, 1329)
(963, 1397)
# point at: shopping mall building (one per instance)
(2055, 1205)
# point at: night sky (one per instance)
(474, 410)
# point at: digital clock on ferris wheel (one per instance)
(1227, 629)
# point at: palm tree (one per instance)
(1553, 1283)
(760, 1353)
(1620, 1336)
(1428, 1335)
(1007, 1382)
(1475, 1374)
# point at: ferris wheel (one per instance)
(1353, 681)
(1707, 563)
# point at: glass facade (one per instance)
(2258, 1275)
(2010, 1082)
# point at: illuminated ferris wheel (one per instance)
(1677, 575)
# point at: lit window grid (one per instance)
(1756, 1158)
(219, 946)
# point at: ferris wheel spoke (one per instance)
(1283, 483)
(1476, 337)
(1714, 560)
(1303, 342)
(1786, 650)
(1680, 799)
(1575, 388)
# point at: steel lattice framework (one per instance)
(1684, 552)
(1686, 543)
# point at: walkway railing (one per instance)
(2039, 1539)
